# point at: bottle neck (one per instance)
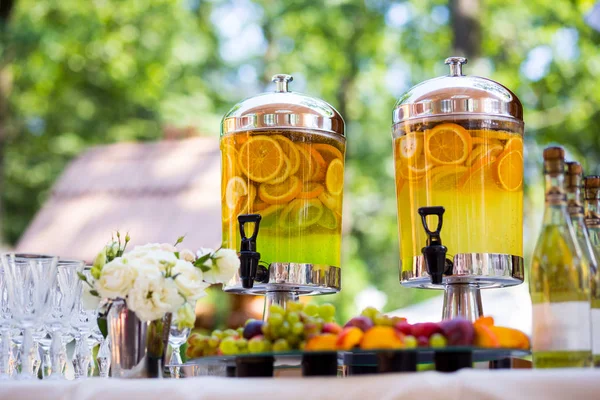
(556, 198)
(575, 203)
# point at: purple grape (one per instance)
(363, 323)
(253, 328)
(458, 332)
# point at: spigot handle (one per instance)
(433, 237)
(249, 257)
(249, 243)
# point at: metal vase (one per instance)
(138, 348)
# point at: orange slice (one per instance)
(332, 202)
(491, 134)
(259, 205)
(482, 140)
(301, 213)
(307, 167)
(236, 189)
(410, 146)
(261, 158)
(515, 143)
(448, 144)
(284, 174)
(415, 170)
(509, 170)
(311, 190)
(478, 174)
(319, 164)
(483, 151)
(291, 151)
(329, 152)
(281, 192)
(446, 177)
(229, 156)
(334, 181)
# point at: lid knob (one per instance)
(455, 64)
(281, 82)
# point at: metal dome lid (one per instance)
(457, 94)
(282, 109)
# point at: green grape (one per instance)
(295, 306)
(240, 332)
(256, 345)
(266, 330)
(284, 329)
(213, 341)
(230, 333)
(218, 333)
(370, 312)
(276, 309)
(292, 317)
(383, 320)
(298, 328)
(311, 310)
(275, 320)
(293, 340)
(281, 345)
(327, 311)
(410, 342)
(437, 340)
(302, 345)
(228, 346)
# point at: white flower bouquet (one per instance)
(156, 279)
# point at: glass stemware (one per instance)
(64, 295)
(177, 338)
(5, 328)
(104, 358)
(84, 322)
(30, 279)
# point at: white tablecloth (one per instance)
(463, 385)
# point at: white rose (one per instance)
(146, 248)
(187, 255)
(88, 300)
(226, 264)
(185, 317)
(151, 298)
(152, 258)
(116, 279)
(189, 280)
(168, 247)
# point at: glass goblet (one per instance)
(177, 337)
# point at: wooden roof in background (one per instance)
(155, 191)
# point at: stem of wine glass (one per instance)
(176, 361)
(36, 362)
(46, 362)
(26, 356)
(55, 354)
(5, 354)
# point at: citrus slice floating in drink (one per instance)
(328, 151)
(307, 167)
(509, 170)
(483, 151)
(301, 213)
(334, 203)
(334, 181)
(410, 146)
(281, 192)
(291, 151)
(261, 158)
(477, 174)
(329, 220)
(446, 177)
(284, 174)
(447, 144)
(413, 170)
(310, 190)
(236, 189)
(320, 166)
(515, 143)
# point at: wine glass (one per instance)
(64, 295)
(177, 338)
(5, 328)
(104, 358)
(85, 322)
(30, 279)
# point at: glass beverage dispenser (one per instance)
(283, 173)
(458, 152)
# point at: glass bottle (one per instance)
(592, 222)
(559, 281)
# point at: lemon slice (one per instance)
(301, 213)
(410, 146)
(329, 220)
(334, 179)
(235, 190)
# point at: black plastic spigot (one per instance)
(435, 252)
(249, 257)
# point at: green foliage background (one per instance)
(81, 73)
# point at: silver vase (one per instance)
(137, 348)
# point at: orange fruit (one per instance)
(228, 158)
(236, 189)
(311, 190)
(334, 180)
(334, 203)
(284, 174)
(491, 134)
(301, 213)
(477, 174)
(261, 158)
(509, 170)
(514, 143)
(447, 144)
(328, 152)
(290, 151)
(307, 167)
(410, 146)
(446, 177)
(483, 151)
(483, 140)
(414, 170)
(317, 163)
(281, 192)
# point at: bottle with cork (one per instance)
(592, 222)
(559, 280)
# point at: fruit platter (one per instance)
(308, 336)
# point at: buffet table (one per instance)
(463, 385)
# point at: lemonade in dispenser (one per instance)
(458, 156)
(283, 159)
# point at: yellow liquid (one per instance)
(562, 359)
(300, 204)
(482, 193)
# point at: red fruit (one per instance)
(426, 329)
(405, 328)
(458, 331)
(422, 341)
(362, 322)
(331, 327)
